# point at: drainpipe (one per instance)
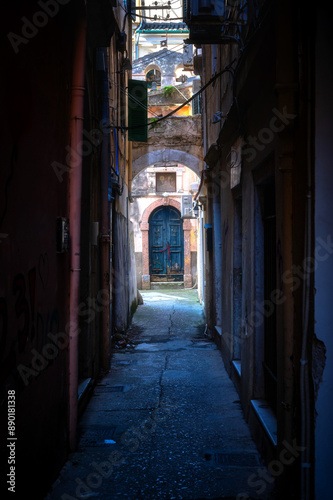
(137, 37)
(137, 34)
(105, 218)
(75, 182)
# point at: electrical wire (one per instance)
(174, 125)
(145, 7)
(165, 54)
(164, 19)
(139, 103)
(147, 109)
(161, 55)
(212, 80)
(172, 2)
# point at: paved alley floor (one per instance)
(165, 423)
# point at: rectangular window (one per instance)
(166, 182)
(196, 105)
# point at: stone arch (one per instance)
(166, 155)
(152, 66)
(144, 226)
(157, 70)
(158, 203)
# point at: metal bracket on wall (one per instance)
(105, 238)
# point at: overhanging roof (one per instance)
(160, 27)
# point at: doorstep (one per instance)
(84, 391)
(166, 285)
(266, 418)
(236, 363)
(218, 328)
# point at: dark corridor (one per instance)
(165, 422)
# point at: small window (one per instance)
(153, 76)
(196, 105)
(166, 182)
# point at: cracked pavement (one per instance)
(165, 422)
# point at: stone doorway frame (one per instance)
(144, 226)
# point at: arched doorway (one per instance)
(166, 245)
(186, 235)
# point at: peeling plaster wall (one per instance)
(125, 285)
(124, 277)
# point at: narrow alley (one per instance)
(178, 151)
(165, 422)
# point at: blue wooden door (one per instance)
(166, 245)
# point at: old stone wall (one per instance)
(165, 61)
(181, 134)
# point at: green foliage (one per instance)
(168, 90)
(153, 122)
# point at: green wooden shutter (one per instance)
(196, 105)
(137, 110)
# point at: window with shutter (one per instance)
(137, 110)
